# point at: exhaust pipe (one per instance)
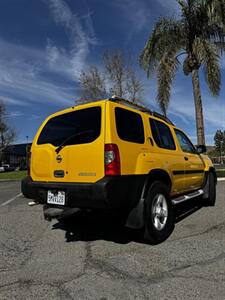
(54, 212)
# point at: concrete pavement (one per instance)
(92, 258)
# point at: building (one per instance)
(16, 155)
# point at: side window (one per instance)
(129, 126)
(184, 142)
(162, 135)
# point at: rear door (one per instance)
(167, 154)
(70, 147)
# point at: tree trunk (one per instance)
(1, 148)
(198, 108)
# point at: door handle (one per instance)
(186, 158)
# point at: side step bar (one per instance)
(184, 198)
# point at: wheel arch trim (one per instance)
(135, 218)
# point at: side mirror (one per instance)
(201, 149)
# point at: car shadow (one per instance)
(92, 225)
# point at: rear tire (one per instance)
(211, 200)
(159, 214)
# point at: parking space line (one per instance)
(11, 200)
(221, 179)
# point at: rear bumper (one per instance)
(108, 193)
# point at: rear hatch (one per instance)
(69, 146)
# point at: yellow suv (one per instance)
(120, 157)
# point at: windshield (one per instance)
(64, 127)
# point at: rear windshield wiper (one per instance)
(63, 144)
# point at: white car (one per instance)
(2, 169)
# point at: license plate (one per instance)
(56, 197)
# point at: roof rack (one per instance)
(160, 116)
(117, 99)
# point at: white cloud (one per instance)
(208, 139)
(181, 107)
(170, 6)
(183, 118)
(81, 36)
(34, 117)
(44, 76)
(25, 79)
(59, 62)
(136, 12)
(213, 109)
(53, 53)
(61, 12)
(140, 14)
(14, 114)
(18, 113)
(11, 101)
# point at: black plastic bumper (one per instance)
(108, 193)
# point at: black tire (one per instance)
(152, 233)
(211, 200)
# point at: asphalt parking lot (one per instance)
(88, 257)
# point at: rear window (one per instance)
(78, 127)
(129, 126)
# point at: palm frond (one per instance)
(220, 46)
(213, 16)
(183, 4)
(212, 71)
(200, 32)
(148, 58)
(167, 36)
(200, 23)
(208, 55)
(165, 74)
(184, 7)
(216, 11)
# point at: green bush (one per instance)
(16, 175)
(220, 173)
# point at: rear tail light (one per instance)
(112, 160)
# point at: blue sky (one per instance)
(45, 44)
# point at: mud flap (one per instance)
(135, 218)
(206, 188)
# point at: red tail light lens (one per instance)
(112, 160)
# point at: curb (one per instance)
(9, 180)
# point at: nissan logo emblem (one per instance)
(59, 158)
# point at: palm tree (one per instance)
(198, 35)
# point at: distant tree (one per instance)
(199, 36)
(117, 77)
(116, 71)
(7, 133)
(219, 139)
(133, 85)
(92, 84)
(223, 142)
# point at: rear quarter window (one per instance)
(129, 126)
